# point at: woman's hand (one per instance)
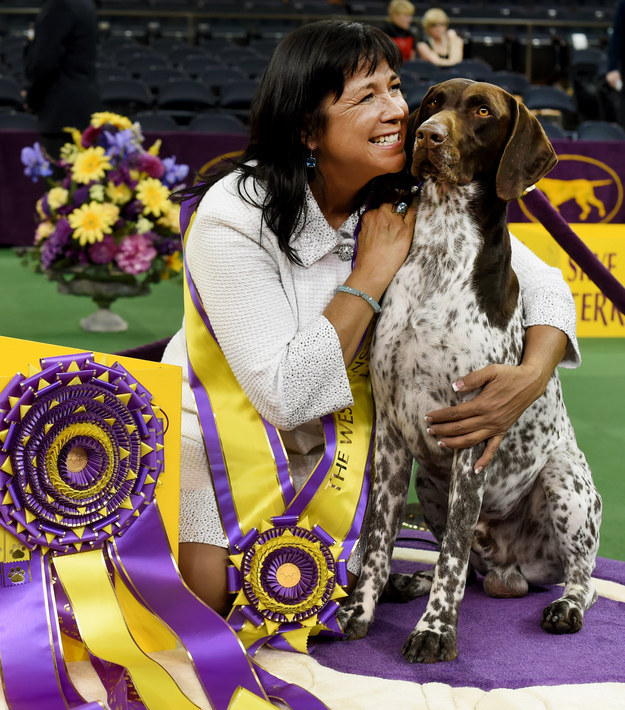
(383, 244)
(508, 390)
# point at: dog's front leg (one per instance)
(392, 468)
(435, 636)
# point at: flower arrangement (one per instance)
(108, 216)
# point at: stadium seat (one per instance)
(599, 131)
(10, 93)
(17, 121)
(216, 123)
(512, 82)
(185, 95)
(236, 98)
(552, 100)
(154, 121)
(155, 77)
(553, 130)
(125, 96)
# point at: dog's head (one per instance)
(466, 129)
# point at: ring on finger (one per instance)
(400, 208)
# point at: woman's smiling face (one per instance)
(365, 129)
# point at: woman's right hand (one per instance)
(383, 244)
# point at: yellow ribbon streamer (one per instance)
(104, 632)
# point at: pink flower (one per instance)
(150, 164)
(135, 254)
(104, 251)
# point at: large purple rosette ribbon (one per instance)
(81, 451)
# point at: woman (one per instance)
(328, 122)
(443, 47)
(398, 27)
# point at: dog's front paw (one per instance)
(430, 647)
(353, 621)
(562, 617)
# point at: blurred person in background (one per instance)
(616, 58)
(398, 27)
(59, 62)
(443, 47)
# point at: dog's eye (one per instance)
(483, 111)
(432, 103)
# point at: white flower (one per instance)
(143, 225)
(96, 192)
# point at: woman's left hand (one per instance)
(508, 390)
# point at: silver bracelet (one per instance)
(355, 292)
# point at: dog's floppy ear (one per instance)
(527, 157)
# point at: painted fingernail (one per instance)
(457, 386)
(442, 444)
(428, 430)
(428, 420)
(479, 469)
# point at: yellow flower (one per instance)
(113, 119)
(91, 222)
(171, 217)
(57, 197)
(112, 211)
(91, 165)
(173, 263)
(119, 194)
(43, 231)
(76, 137)
(155, 147)
(39, 208)
(154, 196)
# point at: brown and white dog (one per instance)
(533, 515)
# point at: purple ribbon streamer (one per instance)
(559, 229)
(218, 656)
(25, 646)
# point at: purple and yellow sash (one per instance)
(288, 549)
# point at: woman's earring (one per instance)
(311, 161)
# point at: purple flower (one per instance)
(133, 209)
(135, 254)
(104, 251)
(81, 195)
(122, 175)
(53, 246)
(35, 163)
(149, 164)
(175, 173)
(121, 143)
(168, 246)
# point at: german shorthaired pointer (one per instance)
(533, 515)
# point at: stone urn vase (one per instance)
(103, 292)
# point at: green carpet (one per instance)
(594, 393)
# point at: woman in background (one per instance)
(444, 47)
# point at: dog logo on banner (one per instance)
(582, 189)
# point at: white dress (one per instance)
(266, 315)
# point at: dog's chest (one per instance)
(432, 327)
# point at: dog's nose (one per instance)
(431, 135)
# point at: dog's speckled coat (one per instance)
(533, 515)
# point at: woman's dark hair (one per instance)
(310, 63)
